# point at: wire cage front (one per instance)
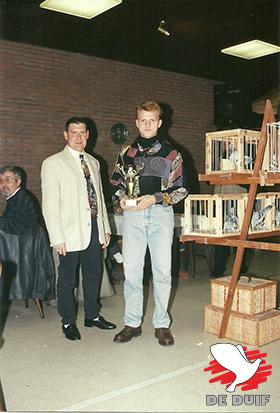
(263, 215)
(222, 214)
(231, 150)
(276, 221)
(214, 215)
(271, 161)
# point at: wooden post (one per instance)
(40, 307)
(268, 117)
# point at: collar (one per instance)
(153, 147)
(75, 154)
(13, 193)
(145, 143)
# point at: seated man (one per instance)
(20, 213)
(24, 247)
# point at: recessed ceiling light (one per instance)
(80, 8)
(252, 49)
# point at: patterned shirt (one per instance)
(161, 172)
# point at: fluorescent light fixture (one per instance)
(252, 49)
(80, 8)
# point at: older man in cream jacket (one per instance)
(78, 226)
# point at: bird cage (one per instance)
(214, 215)
(262, 219)
(271, 161)
(231, 151)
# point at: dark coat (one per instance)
(20, 213)
(28, 269)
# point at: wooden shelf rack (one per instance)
(244, 240)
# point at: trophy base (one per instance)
(130, 202)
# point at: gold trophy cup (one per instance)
(130, 174)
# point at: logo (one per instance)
(237, 368)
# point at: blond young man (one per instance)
(150, 223)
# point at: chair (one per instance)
(27, 266)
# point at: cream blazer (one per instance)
(65, 202)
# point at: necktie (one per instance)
(92, 199)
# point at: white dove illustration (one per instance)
(233, 358)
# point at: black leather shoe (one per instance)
(127, 333)
(100, 323)
(71, 332)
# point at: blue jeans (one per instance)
(152, 227)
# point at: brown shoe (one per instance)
(164, 336)
(127, 333)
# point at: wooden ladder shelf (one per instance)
(243, 241)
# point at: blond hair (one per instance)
(149, 106)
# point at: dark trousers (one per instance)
(91, 265)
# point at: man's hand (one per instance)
(61, 249)
(122, 202)
(107, 241)
(143, 202)
(117, 210)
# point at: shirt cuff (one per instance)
(159, 197)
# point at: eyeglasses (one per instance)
(7, 180)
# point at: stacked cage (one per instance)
(214, 215)
(231, 150)
(253, 318)
(222, 214)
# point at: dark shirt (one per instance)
(20, 213)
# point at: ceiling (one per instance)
(128, 32)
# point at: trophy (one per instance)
(130, 174)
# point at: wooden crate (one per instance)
(214, 215)
(250, 297)
(231, 150)
(258, 329)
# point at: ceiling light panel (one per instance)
(252, 49)
(80, 8)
